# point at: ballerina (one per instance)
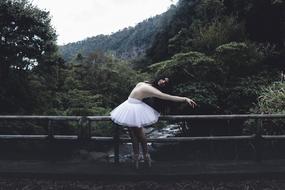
(135, 114)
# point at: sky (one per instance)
(75, 20)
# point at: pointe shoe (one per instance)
(147, 160)
(136, 161)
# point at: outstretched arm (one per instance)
(158, 94)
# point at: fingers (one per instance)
(191, 103)
(194, 103)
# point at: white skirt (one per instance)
(134, 113)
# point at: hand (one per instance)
(191, 102)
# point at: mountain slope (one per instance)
(128, 43)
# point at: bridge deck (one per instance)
(69, 169)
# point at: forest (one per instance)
(228, 55)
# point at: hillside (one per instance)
(127, 43)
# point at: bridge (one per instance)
(256, 166)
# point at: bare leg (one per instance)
(135, 144)
(135, 141)
(142, 138)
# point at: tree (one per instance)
(27, 37)
(27, 46)
(227, 82)
(193, 74)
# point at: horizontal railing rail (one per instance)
(164, 117)
(85, 129)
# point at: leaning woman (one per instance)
(135, 114)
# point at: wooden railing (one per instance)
(85, 130)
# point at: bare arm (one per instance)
(158, 94)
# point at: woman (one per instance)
(135, 114)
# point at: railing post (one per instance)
(212, 154)
(258, 141)
(50, 130)
(51, 140)
(84, 124)
(88, 129)
(117, 144)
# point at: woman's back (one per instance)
(140, 91)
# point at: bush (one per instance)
(271, 101)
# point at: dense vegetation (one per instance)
(223, 53)
(214, 52)
(28, 59)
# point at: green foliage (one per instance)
(270, 101)
(206, 36)
(206, 94)
(28, 59)
(209, 36)
(229, 81)
(206, 47)
(81, 102)
(206, 24)
(195, 75)
(189, 66)
(26, 35)
(179, 36)
(239, 96)
(243, 73)
(239, 59)
(113, 80)
(94, 84)
(208, 10)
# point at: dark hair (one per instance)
(165, 89)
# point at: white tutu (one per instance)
(134, 113)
